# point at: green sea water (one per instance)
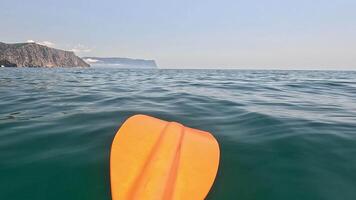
(283, 134)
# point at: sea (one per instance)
(282, 134)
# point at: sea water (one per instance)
(283, 134)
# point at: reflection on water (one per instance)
(283, 134)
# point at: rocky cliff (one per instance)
(35, 55)
(120, 62)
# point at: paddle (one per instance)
(152, 159)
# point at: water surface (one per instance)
(283, 134)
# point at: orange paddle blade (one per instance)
(152, 159)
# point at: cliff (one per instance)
(35, 55)
(121, 62)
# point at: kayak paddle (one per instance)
(152, 159)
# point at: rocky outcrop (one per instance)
(120, 62)
(36, 55)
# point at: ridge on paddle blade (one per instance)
(152, 159)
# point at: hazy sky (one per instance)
(299, 34)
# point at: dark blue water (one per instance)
(283, 134)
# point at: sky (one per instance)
(254, 34)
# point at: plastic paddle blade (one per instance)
(152, 159)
